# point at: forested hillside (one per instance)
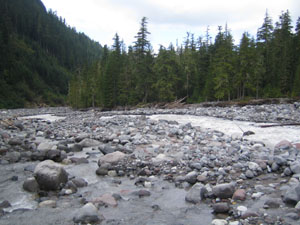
(45, 61)
(38, 54)
(267, 65)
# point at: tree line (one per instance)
(199, 69)
(45, 61)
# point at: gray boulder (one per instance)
(221, 207)
(31, 185)
(196, 193)
(13, 157)
(223, 191)
(80, 182)
(75, 148)
(46, 146)
(80, 137)
(272, 203)
(106, 149)
(15, 141)
(50, 175)
(87, 142)
(295, 168)
(88, 214)
(191, 177)
(111, 158)
(292, 196)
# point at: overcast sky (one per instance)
(169, 20)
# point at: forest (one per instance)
(267, 66)
(45, 61)
(39, 53)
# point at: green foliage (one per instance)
(38, 54)
(198, 70)
(167, 72)
(43, 60)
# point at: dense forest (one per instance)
(198, 70)
(38, 54)
(45, 61)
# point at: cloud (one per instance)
(168, 19)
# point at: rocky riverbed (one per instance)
(150, 166)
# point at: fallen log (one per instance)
(280, 125)
(176, 104)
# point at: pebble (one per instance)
(48, 204)
(106, 199)
(239, 194)
(219, 222)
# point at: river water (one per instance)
(172, 207)
(270, 136)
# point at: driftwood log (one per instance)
(280, 125)
(176, 104)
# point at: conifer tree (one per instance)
(143, 62)
(283, 40)
(112, 75)
(296, 62)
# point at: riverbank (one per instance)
(148, 166)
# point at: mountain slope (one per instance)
(38, 54)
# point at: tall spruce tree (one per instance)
(112, 75)
(283, 40)
(143, 63)
(223, 65)
(167, 71)
(296, 61)
(265, 47)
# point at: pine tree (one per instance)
(296, 61)
(283, 38)
(167, 70)
(143, 63)
(112, 75)
(265, 47)
(223, 65)
(246, 80)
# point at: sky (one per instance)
(168, 20)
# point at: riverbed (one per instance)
(166, 153)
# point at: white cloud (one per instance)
(168, 19)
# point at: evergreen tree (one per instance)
(283, 40)
(143, 63)
(246, 78)
(265, 47)
(112, 75)
(296, 61)
(223, 65)
(167, 71)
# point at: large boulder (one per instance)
(87, 142)
(292, 196)
(112, 158)
(88, 214)
(107, 149)
(295, 167)
(221, 207)
(196, 193)
(46, 146)
(224, 190)
(50, 176)
(31, 185)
